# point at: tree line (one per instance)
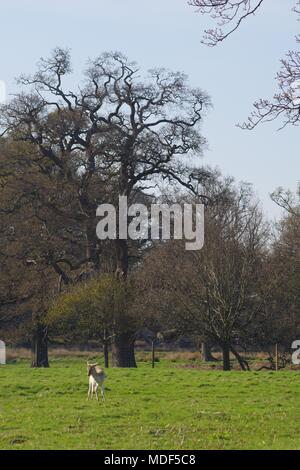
(125, 133)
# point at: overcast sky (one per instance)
(167, 33)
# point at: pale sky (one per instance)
(168, 33)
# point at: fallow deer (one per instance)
(96, 378)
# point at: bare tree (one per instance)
(215, 292)
(229, 16)
(287, 200)
(117, 135)
(279, 322)
(286, 102)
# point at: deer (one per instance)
(96, 377)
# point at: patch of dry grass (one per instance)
(55, 353)
(180, 358)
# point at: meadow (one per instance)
(177, 405)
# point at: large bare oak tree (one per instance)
(118, 134)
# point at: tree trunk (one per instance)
(122, 258)
(93, 247)
(39, 349)
(105, 352)
(153, 353)
(206, 352)
(123, 351)
(242, 362)
(226, 356)
(123, 343)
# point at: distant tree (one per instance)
(287, 200)
(91, 309)
(279, 321)
(215, 292)
(29, 275)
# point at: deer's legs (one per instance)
(102, 392)
(89, 392)
(96, 392)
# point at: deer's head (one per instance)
(90, 368)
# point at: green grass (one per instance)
(170, 407)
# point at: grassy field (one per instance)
(170, 407)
